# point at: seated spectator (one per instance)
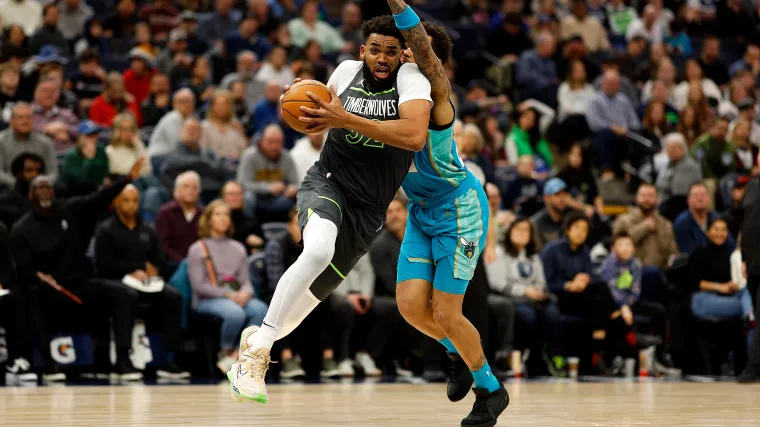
(579, 22)
(548, 221)
(267, 171)
(247, 37)
(126, 247)
(510, 40)
(268, 110)
(518, 274)
(712, 66)
(750, 60)
(48, 33)
(126, 147)
(581, 183)
(736, 94)
(161, 15)
(20, 138)
(470, 148)
(85, 166)
(746, 153)
(26, 14)
(158, 102)
(310, 61)
(660, 95)
(68, 99)
(690, 227)
(679, 175)
(536, 71)
(679, 42)
(627, 87)
(220, 21)
(248, 230)
(175, 60)
(14, 200)
(9, 93)
(309, 27)
(611, 116)
(199, 80)
(306, 152)
(73, 16)
(113, 101)
(619, 17)
(748, 111)
(137, 79)
(569, 276)
(188, 21)
(647, 26)
(166, 134)
(58, 123)
(45, 252)
(716, 296)
(276, 68)
(733, 209)
(177, 221)
(88, 82)
(221, 133)
(715, 155)
(666, 76)
(690, 126)
(526, 138)
(655, 124)
(239, 107)
(523, 194)
(693, 74)
(574, 98)
(247, 63)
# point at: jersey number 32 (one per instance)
(355, 138)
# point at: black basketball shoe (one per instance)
(460, 378)
(487, 407)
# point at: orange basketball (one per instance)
(296, 97)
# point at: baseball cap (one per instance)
(177, 34)
(88, 127)
(188, 15)
(554, 186)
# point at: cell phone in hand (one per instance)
(363, 303)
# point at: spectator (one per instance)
(220, 131)
(690, 126)
(188, 21)
(309, 27)
(579, 22)
(574, 98)
(652, 234)
(666, 75)
(20, 138)
(620, 17)
(247, 38)
(510, 40)
(634, 59)
(48, 33)
(523, 194)
(469, 148)
(114, 100)
(746, 153)
(276, 68)
(536, 71)
(647, 26)
(734, 207)
(239, 107)
(58, 123)
(199, 80)
(716, 295)
(716, 156)
(750, 61)
(137, 79)
(701, 12)
(548, 221)
(655, 125)
(575, 50)
(73, 15)
(120, 24)
(26, 13)
(581, 183)
(267, 111)
(269, 174)
(177, 221)
(569, 276)
(247, 63)
(311, 62)
(268, 19)
(126, 147)
(611, 116)
(660, 95)
(14, 200)
(306, 152)
(712, 67)
(350, 30)
(679, 42)
(44, 251)
(9, 93)
(693, 74)
(248, 230)
(748, 111)
(167, 131)
(692, 225)
(89, 81)
(219, 23)
(85, 165)
(67, 100)
(175, 60)
(518, 274)
(162, 17)
(525, 138)
(218, 273)
(157, 104)
(680, 174)
(126, 247)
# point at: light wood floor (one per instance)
(392, 405)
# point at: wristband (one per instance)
(407, 19)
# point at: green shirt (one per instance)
(716, 157)
(522, 142)
(79, 169)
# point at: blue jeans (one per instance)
(154, 198)
(234, 318)
(542, 323)
(715, 307)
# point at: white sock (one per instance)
(292, 300)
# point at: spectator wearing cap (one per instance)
(647, 26)
(19, 138)
(137, 77)
(579, 22)
(175, 60)
(188, 21)
(246, 66)
(690, 227)
(85, 165)
(681, 172)
(247, 38)
(734, 212)
(114, 100)
(309, 27)
(713, 68)
(619, 17)
(48, 33)
(58, 123)
(746, 153)
(548, 221)
(162, 17)
(73, 15)
(26, 13)
(166, 133)
(536, 71)
(510, 40)
(219, 23)
(14, 200)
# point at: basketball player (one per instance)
(377, 119)
(445, 233)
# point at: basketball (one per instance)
(296, 97)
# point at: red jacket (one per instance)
(138, 86)
(103, 113)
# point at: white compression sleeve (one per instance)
(292, 300)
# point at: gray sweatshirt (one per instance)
(511, 276)
(230, 260)
(166, 134)
(257, 173)
(11, 146)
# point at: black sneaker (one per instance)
(487, 407)
(434, 376)
(645, 341)
(170, 370)
(460, 378)
(749, 376)
(125, 371)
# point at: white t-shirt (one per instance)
(410, 81)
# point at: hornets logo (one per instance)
(468, 247)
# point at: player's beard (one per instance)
(374, 85)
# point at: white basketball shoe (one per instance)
(247, 375)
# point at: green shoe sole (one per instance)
(258, 398)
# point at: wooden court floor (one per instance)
(392, 405)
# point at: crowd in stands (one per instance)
(146, 172)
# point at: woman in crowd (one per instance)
(518, 273)
(313, 54)
(697, 99)
(655, 122)
(581, 183)
(746, 153)
(14, 35)
(689, 125)
(574, 96)
(220, 131)
(666, 73)
(493, 147)
(693, 75)
(126, 147)
(200, 80)
(218, 271)
(114, 100)
(526, 138)
(470, 144)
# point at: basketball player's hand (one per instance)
(329, 115)
(287, 88)
(627, 314)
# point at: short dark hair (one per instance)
(17, 165)
(89, 55)
(572, 218)
(695, 185)
(620, 235)
(48, 7)
(383, 25)
(442, 43)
